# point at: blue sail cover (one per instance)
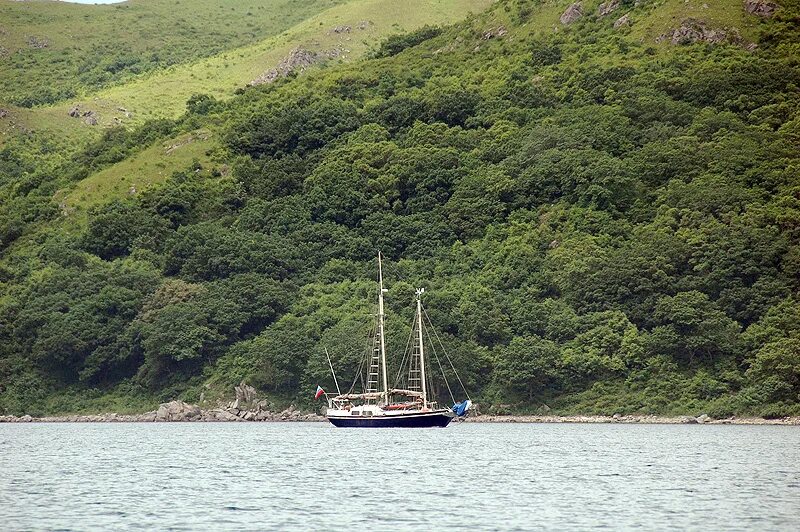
(461, 408)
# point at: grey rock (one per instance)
(761, 8)
(693, 30)
(496, 33)
(3, 113)
(75, 112)
(606, 8)
(624, 20)
(573, 13)
(298, 60)
(703, 418)
(38, 42)
(245, 393)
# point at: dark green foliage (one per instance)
(397, 43)
(601, 227)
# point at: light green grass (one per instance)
(90, 46)
(140, 172)
(164, 93)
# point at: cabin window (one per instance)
(367, 413)
(356, 413)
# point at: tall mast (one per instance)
(381, 290)
(420, 291)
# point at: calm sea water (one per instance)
(311, 476)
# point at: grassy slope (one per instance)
(85, 41)
(164, 94)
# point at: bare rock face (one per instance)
(497, 33)
(573, 13)
(298, 60)
(606, 8)
(693, 30)
(624, 20)
(245, 393)
(761, 8)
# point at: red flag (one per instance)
(320, 391)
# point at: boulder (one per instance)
(3, 113)
(624, 20)
(606, 8)
(703, 418)
(693, 30)
(177, 411)
(761, 8)
(90, 118)
(75, 112)
(573, 13)
(689, 420)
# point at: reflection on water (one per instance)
(245, 476)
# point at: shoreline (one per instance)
(177, 411)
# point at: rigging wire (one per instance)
(406, 353)
(446, 355)
(439, 362)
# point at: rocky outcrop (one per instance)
(606, 8)
(297, 61)
(178, 411)
(624, 20)
(37, 42)
(496, 33)
(90, 118)
(573, 13)
(75, 112)
(340, 29)
(761, 8)
(3, 113)
(693, 30)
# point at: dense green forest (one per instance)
(603, 223)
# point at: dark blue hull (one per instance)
(432, 419)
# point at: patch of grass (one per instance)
(55, 50)
(136, 174)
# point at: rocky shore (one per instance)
(178, 411)
(655, 420)
(248, 407)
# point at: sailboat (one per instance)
(411, 405)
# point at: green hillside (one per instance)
(53, 51)
(603, 203)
